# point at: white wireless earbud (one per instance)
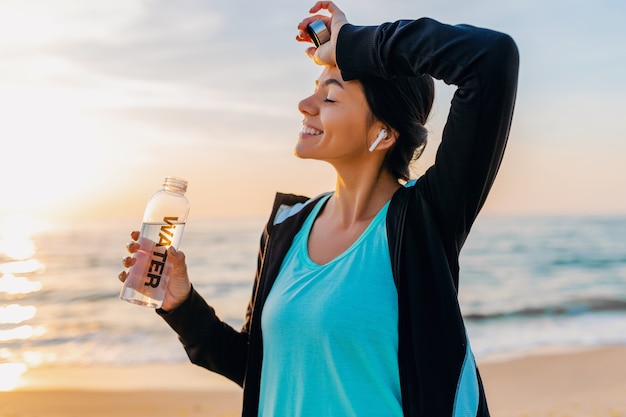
(382, 135)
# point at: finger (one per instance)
(310, 52)
(122, 276)
(302, 36)
(128, 261)
(132, 247)
(319, 61)
(336, 14)
(176, 256)
(324, 5)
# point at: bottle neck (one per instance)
(176, 185)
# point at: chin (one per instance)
(300, 151)
(300, 155)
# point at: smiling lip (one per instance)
(308, 131)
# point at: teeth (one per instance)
(310, 131)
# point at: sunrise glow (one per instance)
(10, 374)
(15, 237)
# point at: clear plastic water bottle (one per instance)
(162, 227)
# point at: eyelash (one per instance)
(327, 100)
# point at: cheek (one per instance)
(345, 126)
(340, 119)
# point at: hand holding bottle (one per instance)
(178, 286)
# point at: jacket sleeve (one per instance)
(483, 64)
(208, 341)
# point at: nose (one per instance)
(308, 106)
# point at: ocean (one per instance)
(527, 284)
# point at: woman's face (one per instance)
(336, 122)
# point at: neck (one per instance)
(360, 194)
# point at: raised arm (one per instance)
(484, 65)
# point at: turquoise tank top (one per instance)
(330, 332)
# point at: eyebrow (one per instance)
(330, 81)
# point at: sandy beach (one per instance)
(584, 383)
(589, 383)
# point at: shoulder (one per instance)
(289, 205)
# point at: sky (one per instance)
(101, 99)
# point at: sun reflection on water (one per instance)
(11, 285)
(21, 267)
(15, 313)
(21, 333)
(17, 265)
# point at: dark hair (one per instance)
(403, 103)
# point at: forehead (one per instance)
(330, 72)
(334, 74)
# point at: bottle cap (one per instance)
(318, 32)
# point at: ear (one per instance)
(384, 140)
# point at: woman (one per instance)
(354, 310)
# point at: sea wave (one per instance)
(571, 307)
